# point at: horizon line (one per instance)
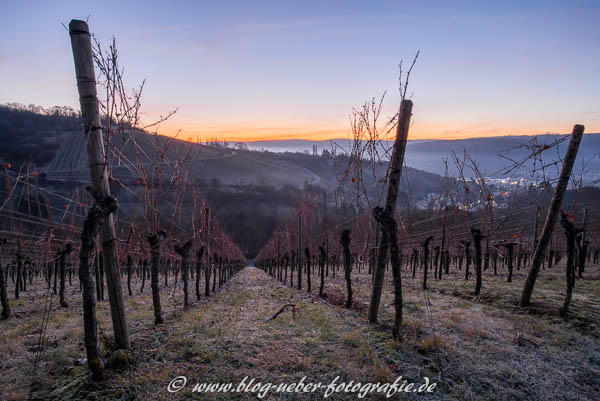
(217, 139)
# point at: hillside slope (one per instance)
(428, 155)
(229, 166)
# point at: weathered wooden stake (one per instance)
(477, 237)
(322, 259)
(345, 240)
(198, 270)
(94, 219)
(425, 259)
(535, 227)
(3, 293)
(184, 252)
(155, 240)
(559, 192)
(571, 234)
(86, 84)
(207, 245)
(63, 265)
(390, 205)
(299, 254)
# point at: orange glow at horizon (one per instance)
(273, 132)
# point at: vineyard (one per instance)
(117, 274)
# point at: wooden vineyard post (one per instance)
(477, 237)
(510, 246)
(345, 241)
(95, 217)
(86, 84)
(299, 254)
(571, 234)
(390, 225)
(467, 245)
(559, 192)
(442, 248)
(63, 266)
(207, 245)
(184, 252)
(278, 264)
(308, 282)
(129, 267)
(426, 259)
(582, 245)
(325, 222)
(392, 195)
(155, 240)
(322, 258)
(199, 255)
(19, 271)
(3, 293)
(535, 226)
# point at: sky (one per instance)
(256, 70)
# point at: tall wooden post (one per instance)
(571, 234)
(477, 237)
(184, 252)
(425, 263)
(278, 264)
(89, 233)
(3, 293)
(299, 254)
(442, 248)
(390, 204)
(63, 267)
(322, 258)
(199, 259)
(345, 241)
(559, 192)
(86, 84)
(535, 226)
(207, 242)
(582, 246)
(325, 222)
(155, 240)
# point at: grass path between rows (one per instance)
(228, 339)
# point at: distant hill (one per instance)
(306, 146)
(428, 155)
(53, 140)
(33, 132)
(487, 151)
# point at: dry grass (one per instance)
(465, 344)
(469, 343)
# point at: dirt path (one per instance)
(228, 339)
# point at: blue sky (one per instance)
(282, 69)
